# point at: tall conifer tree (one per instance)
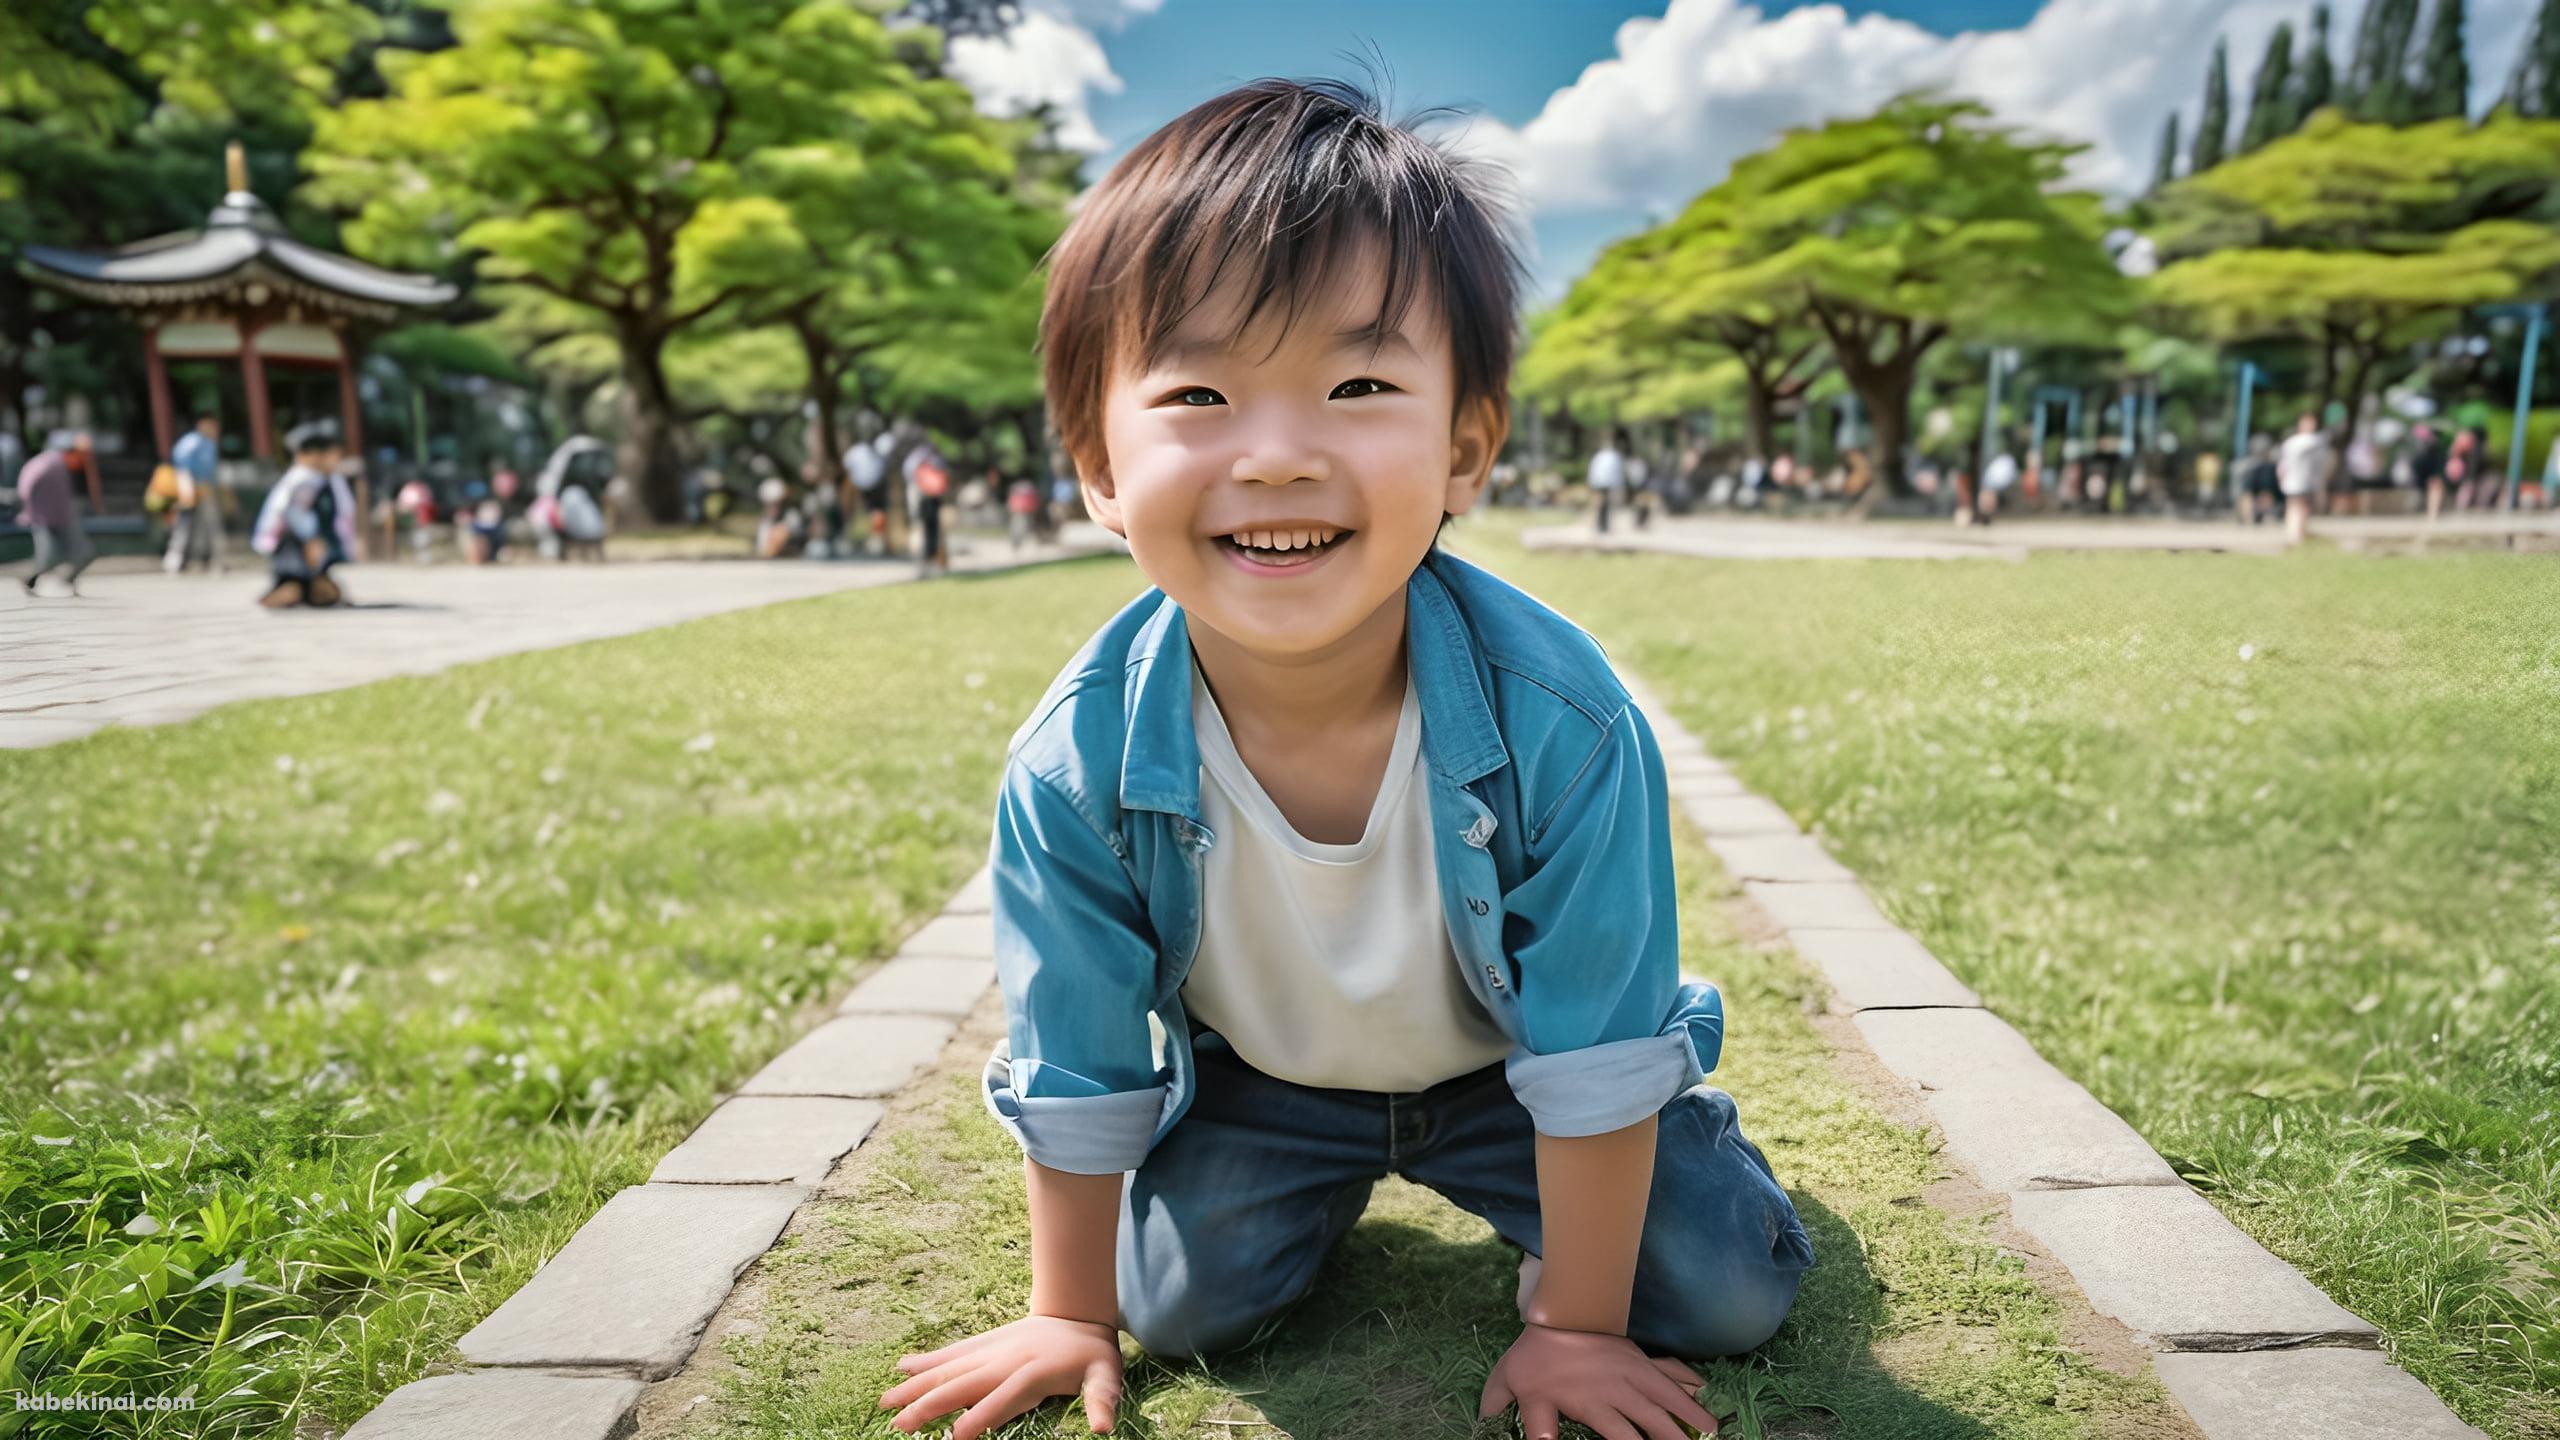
(2213, 128)
(2271, 98)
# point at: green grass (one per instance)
(323, 1021)
(1913, 1324)
(2264, 851)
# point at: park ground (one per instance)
(355, 1005)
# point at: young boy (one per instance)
(1332, 856)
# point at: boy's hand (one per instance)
(1603, 1381)
(1010, 1370)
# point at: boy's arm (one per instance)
(1074, 1079)
(1075, 1237)
(1612, 1033)
(1592, 1193)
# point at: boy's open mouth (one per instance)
(1294, 545)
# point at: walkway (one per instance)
(1734, 537)
(139, 647)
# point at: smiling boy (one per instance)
(1331, 856)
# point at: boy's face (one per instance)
(1281, 496)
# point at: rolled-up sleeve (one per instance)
(1074, 1079)
(1611, 1031)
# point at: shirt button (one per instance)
(1494, 975)
(1479, 832)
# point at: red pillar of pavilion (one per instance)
(164, 431)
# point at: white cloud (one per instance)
(1686, 95)
(1051, 56)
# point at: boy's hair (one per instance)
(1286, 180)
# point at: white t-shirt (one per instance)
(1608, 470)
(1330, 965)
(2001, 473)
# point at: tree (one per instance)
(2317, 81)
(2166, 168)
(2442, 88)
(1889, 233)
(2534, 90)
(2271, 98)
(2358, 239)
(2213, 127)
(112, 122)
(593, 158)
(2378, 82)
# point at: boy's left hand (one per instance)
(1603, 1381)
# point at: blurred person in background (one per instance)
(308, 527)
(2427, 466)
(195, 522)
(1607, 475)
(46, 508)
(2302, 465)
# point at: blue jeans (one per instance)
(1221, 1230)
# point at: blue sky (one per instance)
(1613, 114)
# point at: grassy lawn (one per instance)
(2264, 851)
(324, 1020)
(1914, 1323)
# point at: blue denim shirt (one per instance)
(1553, 832)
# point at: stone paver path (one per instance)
(1733, 537)
(144, 648)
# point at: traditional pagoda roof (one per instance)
(240, 246)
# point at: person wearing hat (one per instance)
(308, 525)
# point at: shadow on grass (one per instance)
(1406, 1319)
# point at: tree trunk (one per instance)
(647, 456)
(1759, 413)
(822, 399)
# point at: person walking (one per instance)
(1998, 477)
(45, 506)
(2301, 465)
(195, 523)
(308, 525)
(928, 478)
(2427, 466)
(1607, 475)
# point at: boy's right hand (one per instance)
(1007, 1371)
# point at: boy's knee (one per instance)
(1733, 1322)
(1192, 1326)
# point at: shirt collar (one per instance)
(1160, 759)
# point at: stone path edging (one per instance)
(568, 1356)
(2252, 1349)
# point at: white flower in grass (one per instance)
(284, 764)
(701, 744)
(2248, 653)
(443, 802)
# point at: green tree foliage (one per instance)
(2213, 127)
(2166, 169)
(2534, 89)
(1886, 234)
(2378, 82)
(606, 164)
(2271, 99)
(2442, 85)
(2357, 239)
(112, 121)
(2316, 78)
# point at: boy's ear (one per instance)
(1474, 440)
(1101, 498)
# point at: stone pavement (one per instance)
(1735, 537)
(143, 648)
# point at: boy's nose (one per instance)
(1279, 463)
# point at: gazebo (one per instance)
(242, 288)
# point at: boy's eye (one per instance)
(1374, 387)
(1195, 396)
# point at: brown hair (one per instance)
(1285, 179)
